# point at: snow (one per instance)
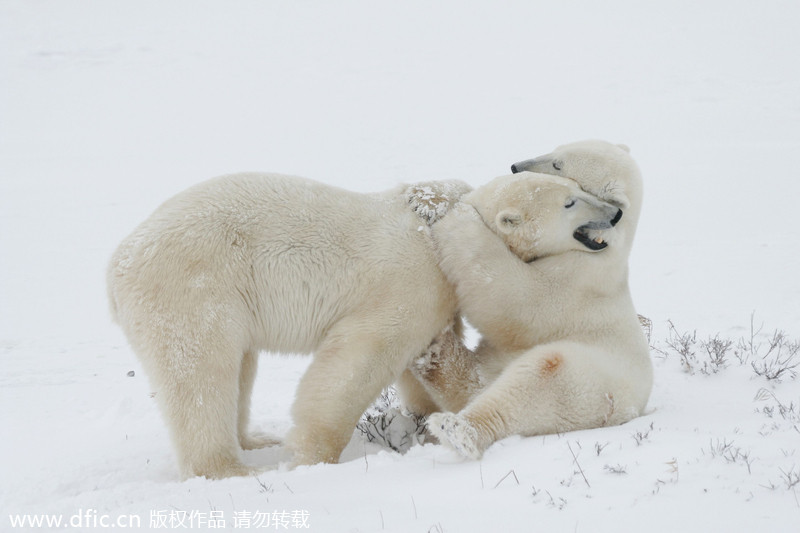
(109, 108)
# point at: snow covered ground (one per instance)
(108, 108)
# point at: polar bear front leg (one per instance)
(431, 200)
(493, 284)
(350, 369)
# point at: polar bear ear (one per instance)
(507, 220)
(625, 147)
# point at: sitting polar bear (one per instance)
(252, 262)
(562, 348)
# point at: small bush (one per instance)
(386, 424)
(774, 359)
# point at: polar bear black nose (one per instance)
(617, 217)
(522, 166)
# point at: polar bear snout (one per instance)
(604, 223)
(600, 214)
(587, 234)
(521, 166)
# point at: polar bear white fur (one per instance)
(562, 348)
(252, 262)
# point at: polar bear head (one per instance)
(540, 215)
(603, 169)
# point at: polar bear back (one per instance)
(262, 248)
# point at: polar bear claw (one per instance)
(432, 200)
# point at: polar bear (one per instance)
(536, 216)
(561, 346)
(251, 262)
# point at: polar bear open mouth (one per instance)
(592, 239)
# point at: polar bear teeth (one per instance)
(595, 243)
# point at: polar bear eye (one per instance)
(557, 164)
(569, 203)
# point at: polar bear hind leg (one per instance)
(550, 389)
(197, 388)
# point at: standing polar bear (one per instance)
(562, 348)
(252, 262)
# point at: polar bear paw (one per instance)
(455, 432)
(432, 200)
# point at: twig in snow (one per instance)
(673, 468)
(640, 436)
(616, 469)
(779, 361)
(557, 504)
(510, 473)
(790, 478)
(265, 489)
(575, 460)
(717, 350)
(598, 448)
